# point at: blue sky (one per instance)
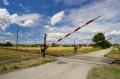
(57, 18)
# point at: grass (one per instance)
(6, 55)
(4, 68)
(109, 72)
(29, 56)
(115, 54)
(68, 51)
(11, 60)
(88, 49)
(59, 51)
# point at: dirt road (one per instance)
(75, 67)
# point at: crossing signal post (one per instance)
(43, 49)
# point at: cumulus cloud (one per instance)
(113, 32)
(6, 36)
(57, 17)
(4, 18)
(5, 2)
(107, 9)
(9, 34)
(27, 20)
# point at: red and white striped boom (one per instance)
(78, 28)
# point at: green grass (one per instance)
(115, 53)
(109, 72)
(88, 49)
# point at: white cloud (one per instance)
(27, 20)
(4, 18)
(28, 23)
(6, 36)
(5, 2)
(57, 17)
(108, 10)
(55, 35)
(46, 26)
(9, 34)
(113, 32)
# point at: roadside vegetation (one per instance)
(68, 51)
(28, 56)
(7, 55)
(11, 60)
(58, 51)
(109, 72)
(100, 40)
(115, 53)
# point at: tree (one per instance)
(99, 40)
(98, 37)
(8, 44)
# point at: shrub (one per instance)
(99, 40)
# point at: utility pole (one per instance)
(43, 49)
(17, 32)
(119, 44)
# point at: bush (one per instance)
(8, 44)
(104, 44)
(5, 68)
(119, 48)
(99, 40)
(16, 67)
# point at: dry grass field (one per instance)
(24, 57)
